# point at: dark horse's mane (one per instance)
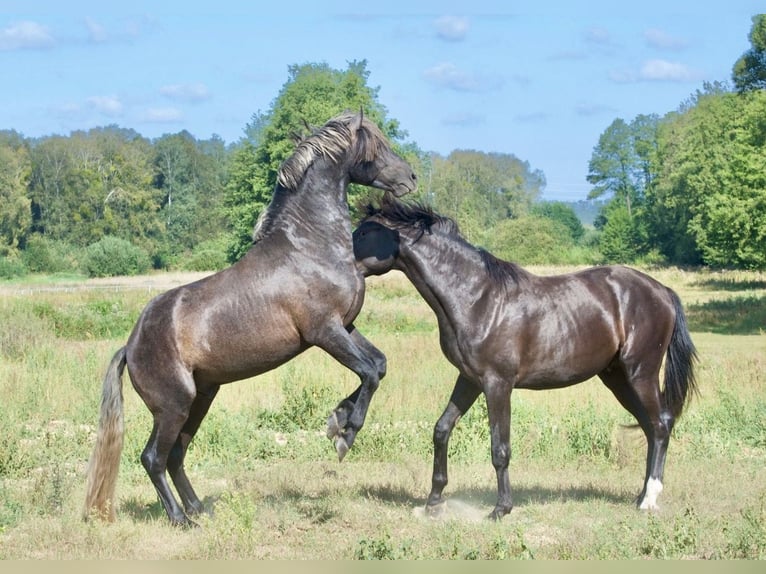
(343, 135)
(418, 216)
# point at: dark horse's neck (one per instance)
(449, 273)
(318, 205)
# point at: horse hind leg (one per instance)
(170, 411)
(200, 406)
(641, 398)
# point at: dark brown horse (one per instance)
(296, 287)
(505, 328)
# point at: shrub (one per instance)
(43, 255)
(112, 256)
(207, 256)
(11, 267)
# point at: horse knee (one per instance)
(667, 420)
(501, 456)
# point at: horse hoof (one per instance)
(436, 510)
(333, 428)
(341, 446)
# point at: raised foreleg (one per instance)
(338, 419)
(355, 353)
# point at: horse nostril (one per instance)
(414, 177)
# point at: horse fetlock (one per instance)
(499, 511)
(648, 500)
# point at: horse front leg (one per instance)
(463, 396)
(499, 411)
(338, 419)
(356, 353)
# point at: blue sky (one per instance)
(540, 80)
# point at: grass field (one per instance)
(263, 465)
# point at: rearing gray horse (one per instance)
(296, 287)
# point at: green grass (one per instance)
(262, 462)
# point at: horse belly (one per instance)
(242, 357)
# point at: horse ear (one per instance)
(361, 117)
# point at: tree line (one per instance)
(685, 188)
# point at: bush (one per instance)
(207, 256)
(529, 240)
(11, 267)
(43, 255)
(112, 256)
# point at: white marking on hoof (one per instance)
(341, 447)
(653, 489)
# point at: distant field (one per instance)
(262, 463)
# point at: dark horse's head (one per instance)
(377, 238)
(356, 143)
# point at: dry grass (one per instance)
(280, 493)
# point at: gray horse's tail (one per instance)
(105, 460)
(680, 382)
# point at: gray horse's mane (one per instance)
(414, 215)
(343, 136)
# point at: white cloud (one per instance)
(25, 35)
(463, 119)
(96, 32)
(656, 71)
(661, 40)
(107, 105)
(591, 109)
(452, 28)
(447, 75)
(163, 115)
(186, 92)
(662, 70)
(599, 36)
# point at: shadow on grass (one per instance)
(522, 496)
(744, 315)
(730, 284)
(319, 508)
(143, 511)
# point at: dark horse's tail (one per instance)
(105, 460)
(680, 382)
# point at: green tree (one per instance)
(562, 213)
(481, 189)
(709, 195)
(530, 239)
(15, 171)
(749, 72)
(190, 175)
(613, 166)
(93, 184)
(312, 94)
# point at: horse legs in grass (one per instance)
(463, 396)
(356, 353)
(171, 413)
(641, 398)
(200, 406)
